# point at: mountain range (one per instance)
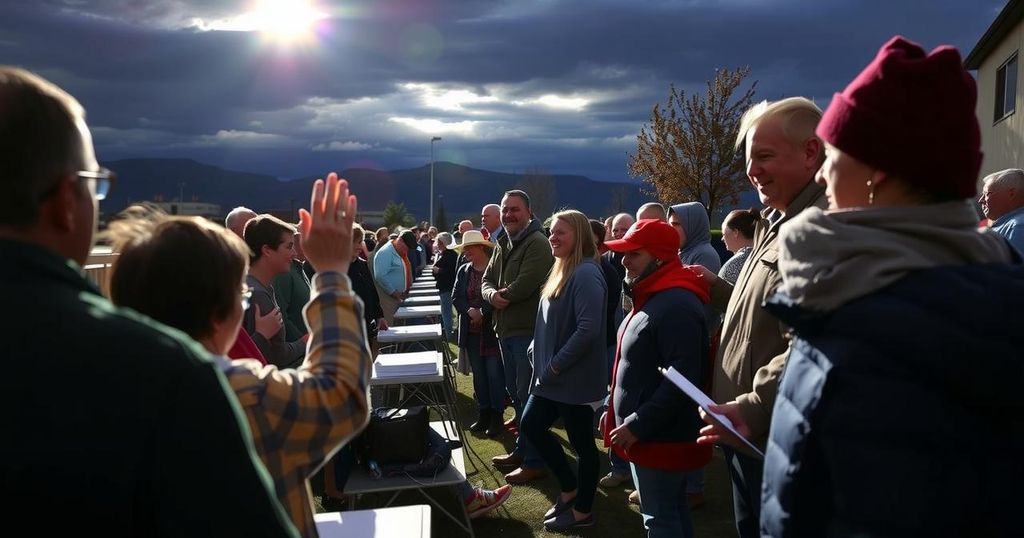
(462, 190)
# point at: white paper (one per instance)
(705, 402)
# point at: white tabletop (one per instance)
(407, 312)
(361, 482)
(399, 522)
(409, 333)
(422, 300)
(420, 357)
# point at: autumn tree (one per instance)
(686, 153)
(540, 186)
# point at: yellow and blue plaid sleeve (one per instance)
(300, 417)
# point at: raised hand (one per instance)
(326, 229)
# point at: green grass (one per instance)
(521, 515)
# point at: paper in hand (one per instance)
(705, 403)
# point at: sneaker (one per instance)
(485, 500)
(567, 521)
(559, 507)
(614, 480)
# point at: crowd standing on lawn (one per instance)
(862, 335)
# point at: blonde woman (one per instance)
(569, 370)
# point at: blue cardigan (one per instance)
(570, 333)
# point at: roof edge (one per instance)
(1007, 19)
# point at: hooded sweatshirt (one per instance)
(698, 249)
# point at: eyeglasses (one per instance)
(104, 179)
(246, 297)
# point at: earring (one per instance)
(871, 193)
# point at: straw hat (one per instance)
(472, 237)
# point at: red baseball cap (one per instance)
(655, 236)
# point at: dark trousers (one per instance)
(538, 417)
(745, 473)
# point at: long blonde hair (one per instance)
(584, 248)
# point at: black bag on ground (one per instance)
(395, 436)
(438, 456)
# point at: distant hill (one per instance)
(461, 189)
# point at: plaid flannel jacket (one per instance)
(300, 417)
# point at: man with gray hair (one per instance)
(138, 414)
(651, 210)
(1002, 201)
(783, 155)
(237, 218)
(490, 220)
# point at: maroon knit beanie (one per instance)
(911, 115)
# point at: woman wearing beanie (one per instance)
(649, 422)
(569, 373)
(900, 409)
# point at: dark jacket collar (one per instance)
(22, 257)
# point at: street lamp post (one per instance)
(430, 217)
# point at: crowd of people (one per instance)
(861, 334)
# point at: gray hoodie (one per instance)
(698, 249)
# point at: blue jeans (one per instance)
(488, 376)
(695, 481)
(618, 465)
(745, 473)
(538, 417)
(446, 314)
(518, 374)
(663, 502)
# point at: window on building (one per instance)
(1006, 89)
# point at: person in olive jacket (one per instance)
(512, 283)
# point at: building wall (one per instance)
(1002, 142)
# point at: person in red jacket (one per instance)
(649, 422)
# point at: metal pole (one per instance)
(430, 217)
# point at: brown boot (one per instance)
(523, 475)
(507, 460)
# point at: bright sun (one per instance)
(285, 20)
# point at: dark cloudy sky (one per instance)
(562, 85)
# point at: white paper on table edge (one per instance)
(703, 401)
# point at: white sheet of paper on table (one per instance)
(705, 402)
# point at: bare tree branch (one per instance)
(686, 151)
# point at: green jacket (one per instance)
(291, 290)
(521, 266)
(136, 414)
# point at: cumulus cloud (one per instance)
(509, 84)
